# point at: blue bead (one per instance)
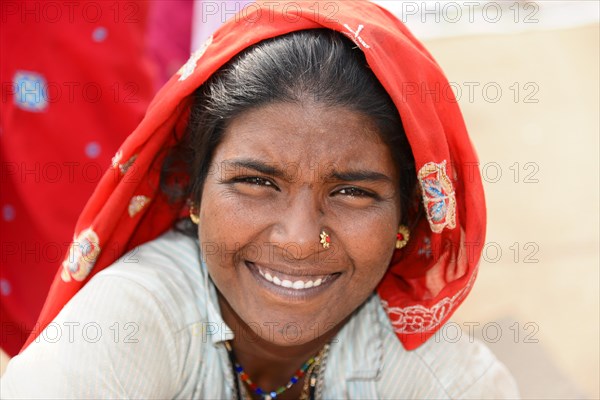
(273, 395)
(259, 391)
(294, 379)
(239, 369)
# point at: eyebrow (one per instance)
(256, 165)
(271, 170)
(359, 175)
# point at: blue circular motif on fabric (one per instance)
(100, 34)
(92, 150)
(30, 91)
(8, 212)
(5, 287)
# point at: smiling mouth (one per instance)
(296, 283)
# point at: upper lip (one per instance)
(295, 272)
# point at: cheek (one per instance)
(222, 219)
(372, 234)
(374, 266)
(371, 245)
(371, 263)
(226, 230)
(219, 235)
(215, 238)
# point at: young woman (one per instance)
(299, 223)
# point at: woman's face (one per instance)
(282, 174)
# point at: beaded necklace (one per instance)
(313, 366)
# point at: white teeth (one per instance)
(297, 285)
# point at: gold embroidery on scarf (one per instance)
(136, 204)
(82, 256)
(190, 66)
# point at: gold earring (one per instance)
(193, 215)
(402, 236)
(325, 239)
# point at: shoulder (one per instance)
(164, 273)
(129, 322)
(368, 361)
(466, 368)
(457, 367)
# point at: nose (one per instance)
(299, 225)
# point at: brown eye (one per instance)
(255, 180)
(354, 192)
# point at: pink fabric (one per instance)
(169, 36)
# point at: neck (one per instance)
(268, 364)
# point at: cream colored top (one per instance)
(149, 327)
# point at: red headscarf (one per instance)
(426, 280)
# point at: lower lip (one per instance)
(289, 293)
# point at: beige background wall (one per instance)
(545, 298)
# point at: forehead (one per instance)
(306, 134)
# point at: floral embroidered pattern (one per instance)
(418, 318)
(189, 67)
(438, 196)
(136, 204)
(82, 256)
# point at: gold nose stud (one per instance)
(325, 239)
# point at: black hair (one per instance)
(320, 65)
